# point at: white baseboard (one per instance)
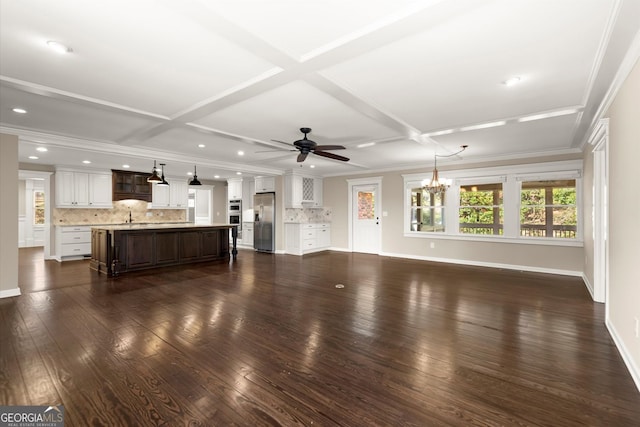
(487, 264)
(8, 293)
(589, 286)
(626, 357)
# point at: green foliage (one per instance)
(533, 205)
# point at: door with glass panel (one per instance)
(366, 219)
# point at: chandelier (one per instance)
(438, 185)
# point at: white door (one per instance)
(365, 213)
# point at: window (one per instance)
(38, 207)
(481, 209)
(548, 209)
(536, 203)
(366, 205)
(427, 210)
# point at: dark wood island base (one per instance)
(118, 249)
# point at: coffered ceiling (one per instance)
(392, 81)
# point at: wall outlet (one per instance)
(432, 245)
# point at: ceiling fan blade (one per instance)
(329, 147)
(282, 142)
(280, 150)
(301, 157)
(331, 156)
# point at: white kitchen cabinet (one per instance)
(248, 190)
(234, 189)
(160, 196)
(72, 242)
(302, 191)
(100, 190)
(75, 189)
(302, 239)
(265, 184)
(247, 234)
(179, 193)
(173, 196)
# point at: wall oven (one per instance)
(235, 213)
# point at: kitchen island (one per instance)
(117, 249)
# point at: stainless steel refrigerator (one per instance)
(264, 212)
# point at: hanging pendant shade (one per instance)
(195, 181)
(154, 177)
(163, 182)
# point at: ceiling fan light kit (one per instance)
(306, 146)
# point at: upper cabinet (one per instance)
(174, 196)
(302, 191)
(131, 185)
(248, 190)
(234, 189)
(265, 184)
(80, 189)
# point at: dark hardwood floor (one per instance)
(269, 340)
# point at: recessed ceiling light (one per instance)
(42, 149)
(201, 145)
(512, 81)
(240, 153)
(238, 173)
(312, 166)
(189, 173)
(366, 144)
(19, 110)
(216, 176)
(33, 157)
(86, 162)
(126, 166)
(59, 47)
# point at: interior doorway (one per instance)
(200, 209)
(600, 140)
(35, 210)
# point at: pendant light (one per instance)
(164, 182)
(195, 181)
(154, 174)
(437, 185)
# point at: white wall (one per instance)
(544, 258)
(624, 221)
(8, 216)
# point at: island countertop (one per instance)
(159, 226)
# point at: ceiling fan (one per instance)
(306, 146)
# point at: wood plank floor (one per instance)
(269, 340)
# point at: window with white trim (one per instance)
(481, 209)
(548, 209)
(427, 210)
(520, 203)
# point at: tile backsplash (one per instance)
(118, 214)
(307, 215)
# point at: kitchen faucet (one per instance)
(130, 219)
